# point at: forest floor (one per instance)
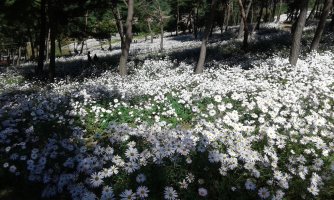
(250, 126)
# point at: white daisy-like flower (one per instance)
(212, 113)
(142, 191)
(107, 193)
(170, 193)
(221, 107)
(127, 195)
(132, 154)
(183, 184)
(96, 179)
(218, 98)
(250, 185)
(202, 192)
(141, 178)
(264, 193)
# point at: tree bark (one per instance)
(150, 29)
(273, 14)
(311, 15)
(279, 11)
(177, 17)
(257, 27)
(195, 22)
(267, 15)
(52, 64)
(332, 23)
(297, 33)
(31, 45)
(19, 57)
(161, 28)
(228, 16)
(47, 42)
(39, 69)
(200, 65)
(126, 42)
(321, 25)
(242, 24)
(223, 17)
(59, 47)
(244, 18)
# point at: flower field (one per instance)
(164, 133)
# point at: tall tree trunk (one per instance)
(209, 23)
(242, 25)
(312, 13)
(82, 46)
(320, 29)
(161, 19)
(47, 42)
(331, 26)
(257, 27)
(85, 33)
(161, 37)
(42, 34)
(279, 11)
(59, 47)
(267, 15)
(126, 42)
(19, 57)
(13, 56)
(228, 16)
(297, 33)
(317, 9)
(195, 22)
(149, 28)
(273, 14)
(223, 18)
(31, 45)
(52, 64)
(244, 18)
(177, 17)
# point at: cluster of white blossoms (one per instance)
(163, 132)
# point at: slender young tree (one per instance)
(257, 27)
(126, 38)
(242, 25)
(321, 25)
(200, 65)
(52, 25)
(331, 26)
(161, 24)
(244, 19)
(279, 11)
(42, 35)
(298, 31)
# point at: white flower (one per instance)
(127, 195)
(313, 190)
(141, 178)
(170, 193)
(142, 191)
(221, 107)
(212, 113)
(250, 185)
(202, 192)
(107, 193)
(183, 184)
(130, 167)
(263, 193)
(96, 179)
(132, 154)
(218, 98)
